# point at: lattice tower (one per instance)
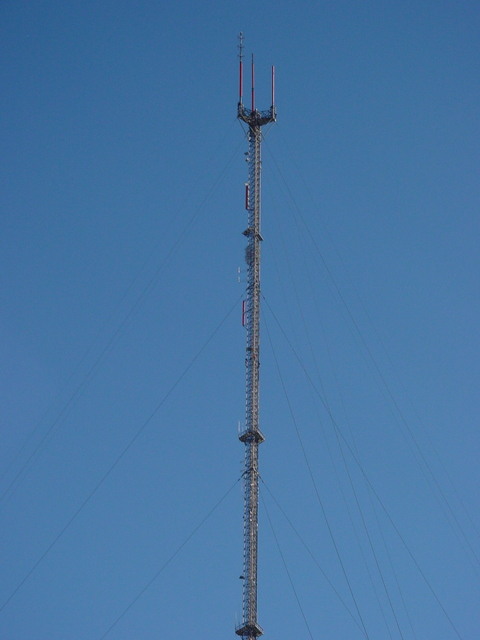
(252, 436)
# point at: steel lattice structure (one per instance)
(252, 436)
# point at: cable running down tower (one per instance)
(252, 436)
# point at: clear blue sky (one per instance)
(122, 211)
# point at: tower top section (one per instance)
(253, 117)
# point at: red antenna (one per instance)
(253, 85)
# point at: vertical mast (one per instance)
(252, 436)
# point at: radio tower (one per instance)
(252, 436)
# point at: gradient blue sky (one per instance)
(122, 195)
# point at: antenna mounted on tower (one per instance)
(246, 114)
(240, 55)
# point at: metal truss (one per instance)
(252, 436)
